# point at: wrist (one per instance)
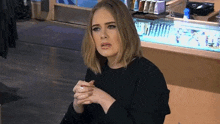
(78, 108)
(107, 103)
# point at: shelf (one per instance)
(150, 16)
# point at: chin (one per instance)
(107, 53)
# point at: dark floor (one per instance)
(45, 66)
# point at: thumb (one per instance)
(92, 82)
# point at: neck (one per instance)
(112, 63)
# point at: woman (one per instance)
(120, 87)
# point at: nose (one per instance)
(104, 34)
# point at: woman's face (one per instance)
(105, 33)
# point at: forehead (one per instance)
(102, 15)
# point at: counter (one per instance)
(192, 75)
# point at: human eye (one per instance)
(111, 26)
(95, 29)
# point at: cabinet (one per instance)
(188, 55)
(181, 33)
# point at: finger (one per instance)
(76, 95)
(92, 82)
(87, 102)
(87, 84)
(84, 89)
(76, 86)
(78, 89)
(83, 103)
(79, 83)
(80, 96)
(80, 102)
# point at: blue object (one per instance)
(68, 2)
(136, 5)
(81, 3)
(87, 3)
(187, 13)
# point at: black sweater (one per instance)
(140, 91)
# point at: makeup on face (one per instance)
(105, 33)
(106, 46)
(109, 24)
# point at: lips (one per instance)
(105, 45)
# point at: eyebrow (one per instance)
(107, 23)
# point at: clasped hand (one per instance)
(87, 93)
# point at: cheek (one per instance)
(117, 39)
(114, 34)
(95, 38)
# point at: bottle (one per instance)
(186, 14)
(136, 5)
(141, 5)
(132, 4)
(146, 6)
(152, 6)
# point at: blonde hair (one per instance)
(130, 41)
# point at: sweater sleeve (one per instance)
(89, 75)
(71, 117)
(149, 103)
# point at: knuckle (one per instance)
(79, 82)
(90, 93)
(74, 88)
(79, 102)
(75, 96)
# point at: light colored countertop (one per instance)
(182, 50)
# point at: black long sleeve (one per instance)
(140, 91)
(71, 117)
(3, 42)
(149, 101)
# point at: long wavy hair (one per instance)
(130, 42)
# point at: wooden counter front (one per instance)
(193, 78)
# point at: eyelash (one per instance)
(95, 29)
(109, 26)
